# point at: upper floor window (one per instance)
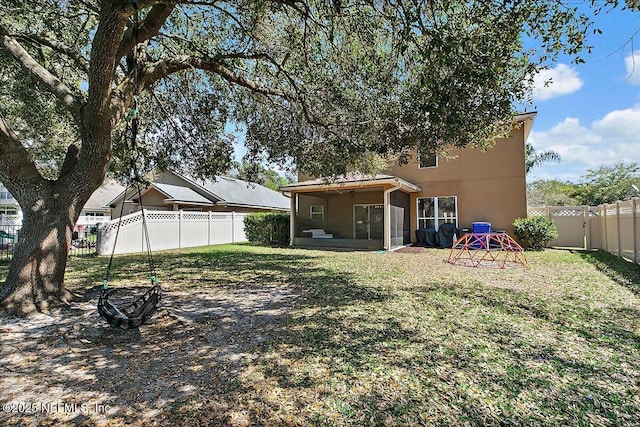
(427, 160)
(4, 194)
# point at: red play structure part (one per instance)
(497, 250)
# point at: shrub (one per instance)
(535, 232)
(267, 228)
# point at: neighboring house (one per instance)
(95, 211)
(10, 212)
(383, 211)
(173, 192)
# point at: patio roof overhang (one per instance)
(352, 182)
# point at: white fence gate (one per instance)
(613, 227)
(171, 230)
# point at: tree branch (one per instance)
(80, 61)
(160, 69)
(16, 164)
(57, 87)
(148, 28)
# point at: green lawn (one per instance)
(407, 339)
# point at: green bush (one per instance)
(267, 228)
(535, 232)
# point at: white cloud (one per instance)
(554, 82)
(609, 140)
(633, 68)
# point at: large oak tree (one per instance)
(312, 81)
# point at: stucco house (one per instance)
(383, 211)
(170, 191)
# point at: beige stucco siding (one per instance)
(489, 186)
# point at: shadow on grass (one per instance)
(223, 309)
(623, 272)
(255, 336)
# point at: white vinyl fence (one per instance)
(614, 227)
(171, 230)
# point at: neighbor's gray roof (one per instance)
(181, 194)
(101, 198)
(236, 192)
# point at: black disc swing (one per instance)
(145, 306)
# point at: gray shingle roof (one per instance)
(236, 192)
(181, 194)
(101, 198)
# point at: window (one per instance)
(4, 194)
(8, 211)
(427, 160)
(433, 211)
(317, 213)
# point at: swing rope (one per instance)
(143, 308)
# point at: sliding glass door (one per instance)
(368, 222)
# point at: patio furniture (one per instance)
(427, 237)
(318, 233)
(446, 232)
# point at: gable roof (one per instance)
(176, 193)
(222, 191)
(103, 196)
(235, 192)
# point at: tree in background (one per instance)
(607, 184)
(551, 192)
(533, 159)
(259, 174)
(318, 83)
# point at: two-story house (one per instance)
(383, 211)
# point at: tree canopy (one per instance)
(606, 184)
(319, 83)
(259, 174)
(313, 81)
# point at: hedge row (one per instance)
(267, 228)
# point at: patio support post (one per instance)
(292, 219)
(387, 215)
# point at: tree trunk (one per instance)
(36, 276)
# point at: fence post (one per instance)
(618, 227)
(233, 227)
(180, 229)
(603, 208)
(587, 227)
(209, 229)
(634, 206)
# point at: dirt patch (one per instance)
(71, 368)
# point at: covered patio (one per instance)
(354, 212)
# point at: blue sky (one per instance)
(590, 114)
